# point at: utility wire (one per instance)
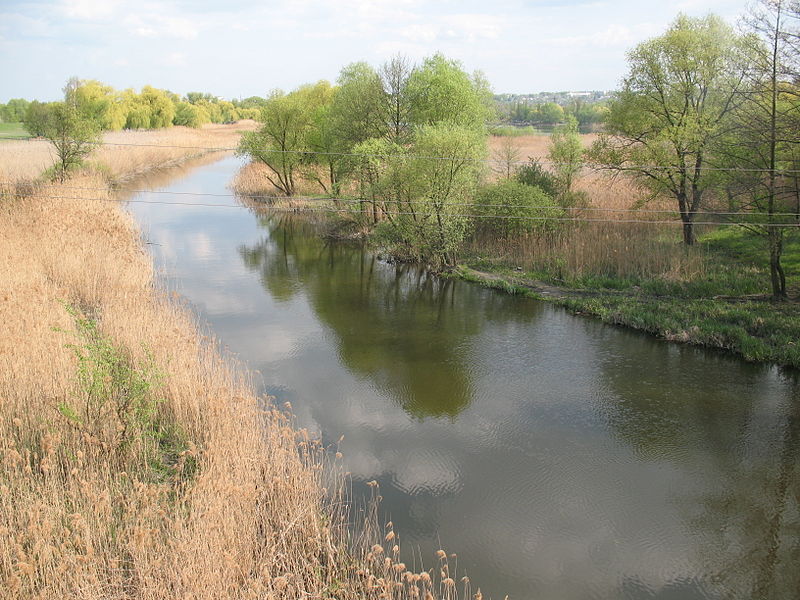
(425, 157)
(424, 214)
(359, 200)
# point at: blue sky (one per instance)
(239, 48)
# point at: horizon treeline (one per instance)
(151, 108)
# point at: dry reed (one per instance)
(163, 476)
(609, 247)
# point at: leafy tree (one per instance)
(99, 103)
(765, 139)
(359, 108)
(160, 107)
(14, 110)
(35, 117)
(549, 112)
(675, 103)
(566, 155)
(512, 208)
(282, 142)
(72, 135)
(442, 92)
(190, 115)
(428, 220)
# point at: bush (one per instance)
(513, 208)
(534, 174)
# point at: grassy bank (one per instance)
(136, 461)
(12, 130)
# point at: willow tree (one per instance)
(674, 105)
(282, 143)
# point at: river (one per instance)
(560, 458)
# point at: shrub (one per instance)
(513, 208)
(534, 174)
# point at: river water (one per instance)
(560, 458)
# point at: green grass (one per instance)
(13, 130)
(758, 331)
(739, 245)
(683, 311)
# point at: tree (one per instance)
(14, 110)
(675, 103)
(765, 139)
(99, 103)
(506, 157)
(441, 91)
(428, 220)
(73, 135)
(566, 154)
(394, 76)
(282, 142)
(359, 110)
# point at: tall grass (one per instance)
(137, 462)
(139, 150)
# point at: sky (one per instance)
(240, 48)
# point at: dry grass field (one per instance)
(127, 153)
(136, 462)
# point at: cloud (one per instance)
(613, 36)
(156, 25)
(89, 10)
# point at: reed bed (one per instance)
(28, 159)
(611, 247)
(136, 461)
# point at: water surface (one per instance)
(560, 458)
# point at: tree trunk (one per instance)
(777, 275)
(688, 228)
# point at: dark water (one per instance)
(558, 457)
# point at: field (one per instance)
(12, 130)
(136, 461)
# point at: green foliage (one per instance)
(359, 108)
(72, 135)
(14, 110)
(566, 155)
(116, 402)
(511, 208)
(283, 141)
(190, 115)
(534, 174)
(511, 131)
(35, 118)
(427, 219)
(675, 102)
(99, 103)
(442, 92)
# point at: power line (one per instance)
(426, 157)
(459, 204)
(424, 214)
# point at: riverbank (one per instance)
(752, 327)
(137, 461)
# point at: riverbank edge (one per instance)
(755, 330)
(264, 501)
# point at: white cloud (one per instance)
(89, 10)
(613, 36)
(158, 25)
